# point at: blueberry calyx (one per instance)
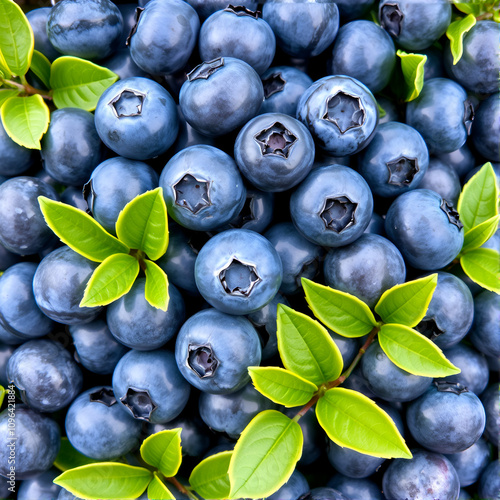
(127, 103)
(275, 140)
(338, 213)
(192, 193)
(202, 360)
(241, 10)
(205, 69)
(468, 115)
(273, 84)
(391, 18)
(238, 278)
(402, 170)
(345, 111)
(429, 329)
(140, 403)
(452, 214)
(455, 387)
(104, 396)
(138, 13)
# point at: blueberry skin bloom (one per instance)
(116, 432)
(341, 114)
(221, 95)
(90, 29)
(425, 228)
(395, 161)
(202, 187)
(213, 351)
(294, 488)
(332, 206)
(485, 332)
(442, 178)
(137, 118)
(351, 463)
(165, 36)
(274, 151)
(486, 128)
(15, 158)
(444, 123)
(238, 271)
(38, 22)
(41, 487)
(489, 484)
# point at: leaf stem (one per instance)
(27, 89)
(181, 488)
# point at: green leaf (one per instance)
(354, 421)
(69, 458)
(306, 348)
(16, 38)
(282, 386)
(25, 120)
(482, 266)
(80, 231)
(156, 290)
(407, 303)
(112, 279)
(3, 392)
(5, 71)
(158, 491)
(163, 451)
(478, 200)
(265, 455)
(105, 480)
(7, 94)
(78, 83)
(210, 478)
(40, 65)
(142, 224)
(469, 8)
(412, 66)
(480, 234)
(456, 32)
(341, 312)
(413, 352)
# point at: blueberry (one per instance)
(7, 258)
(40, 487)
(6, 352)
(489, 399)
(123, 65)
(348, 347)
(489, 484)
(323, 494)
(461, 160)
(206, 8)
(295, 487)
(349, 10)
(74, 197)
(443, 179)
(360, 489)
(485, 331)
(16, 159)
(486, 128)
(38, 22)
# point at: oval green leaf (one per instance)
(163, 451)
(40, 65)
(3, 392)
(7, 94)
(210, 478)
(456, 32)
(16, 38)
(354, 421)
(158, 491)
(480, 234)
(80, 231)
(412, 66)
(407, 303)
(306, 348)
(265, 455)
(25, 120)
(156, 290)
(78, 83)
(341, 312)
(142, 224)
(281, 386)
(112, 279)
(69, 458)
(105, 480)
(413, 352)
(482, 266)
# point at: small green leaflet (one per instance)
(265, 455)
(78, 83)
(341, 312)
(79, 231)
(40, 65)
(69, 458)
(480, 234)
(158, 491)
(483, 266)
(105, 480)
(3, 392)
(354, 421)
(456, 32)
(210, 478)
(142, 224)
(414, 353)
(281, 386)
(25, 120)
(156, 289)
(7, 94)
(306, 348)
(412, 66)
(163, 451)
(112, 279)
(407, 303)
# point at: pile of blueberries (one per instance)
(284, 148)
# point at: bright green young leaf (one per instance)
(306, 348)
(78, 83)
(469, 8)
(354, 421)
(412, 66)
(413, 352)
(281, 386)
(480, 234)
(69, 458)
(341, 312)
(163, 451)
(156, 290)
(478, 200)
(7, 94)
(407, 303)
(112, 279)
(16, 37)
(105, 480)
(80, 231)
(456, 32)
(483, 266)
(3, 392)
(142, 224)
(210, 478)
(265, 455)
(25, 120)
(158, 491)
(5, 71)
(40, 65)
